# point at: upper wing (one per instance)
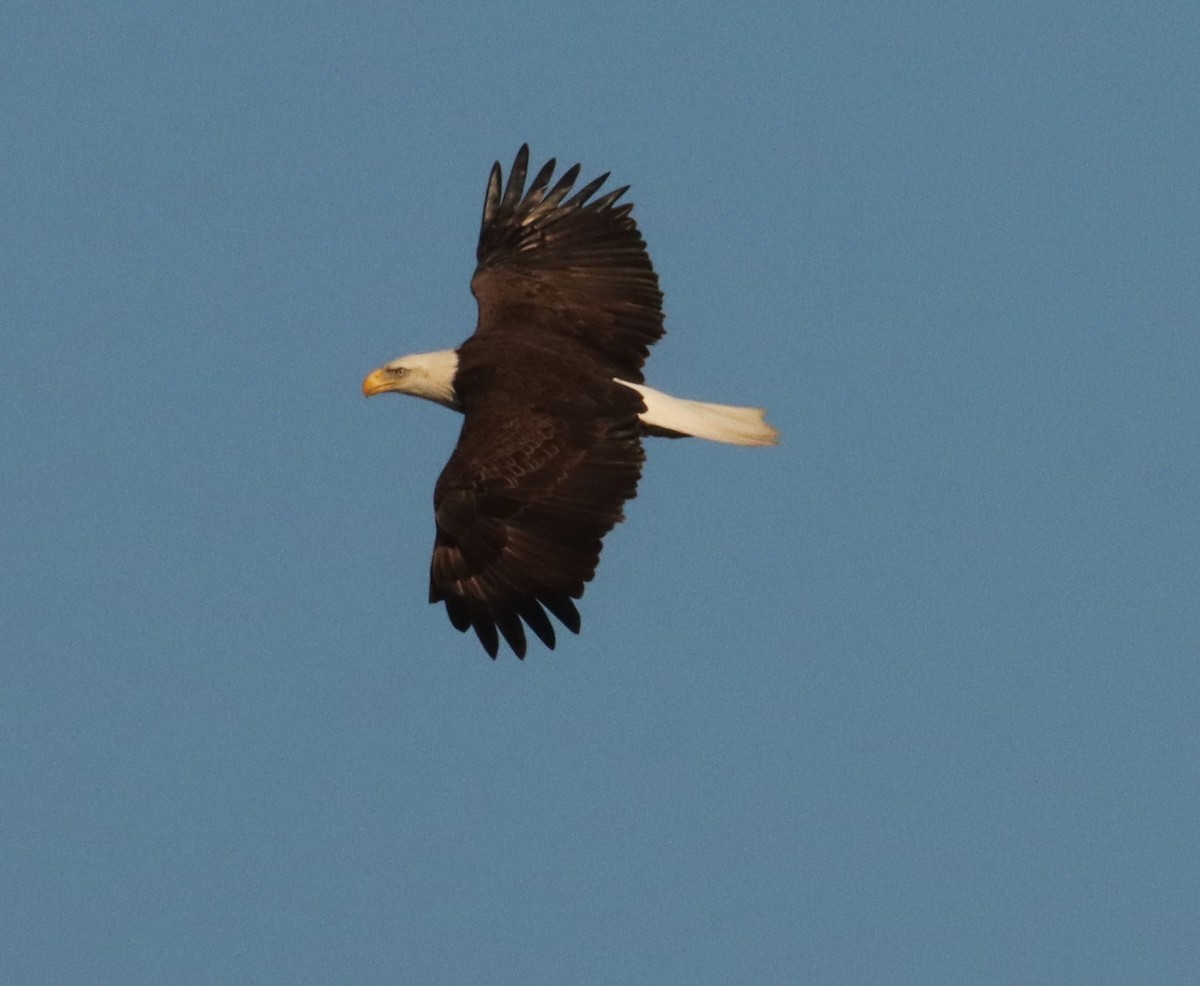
(522, 505)
(573, 268)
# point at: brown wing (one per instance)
(539, 476)
(570, 268)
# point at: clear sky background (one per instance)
(914, 697)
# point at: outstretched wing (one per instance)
(535, 483)
(569, 267)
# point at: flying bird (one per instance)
(554, 405)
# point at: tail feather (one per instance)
(675, 417)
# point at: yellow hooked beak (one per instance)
(376, 382)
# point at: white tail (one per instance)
(716, 422)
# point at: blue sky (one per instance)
(913, 697)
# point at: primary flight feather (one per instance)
(554, 405)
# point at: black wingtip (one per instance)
(513, 630)
(491, 199)
(533, 614)
(485, 630)
(515, 187)
(564, 609)
(456, 609)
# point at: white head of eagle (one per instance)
(554, 405)
(428, 375)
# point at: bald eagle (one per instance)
(554, 405)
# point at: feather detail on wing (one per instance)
(571, 268)
(521, 509)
